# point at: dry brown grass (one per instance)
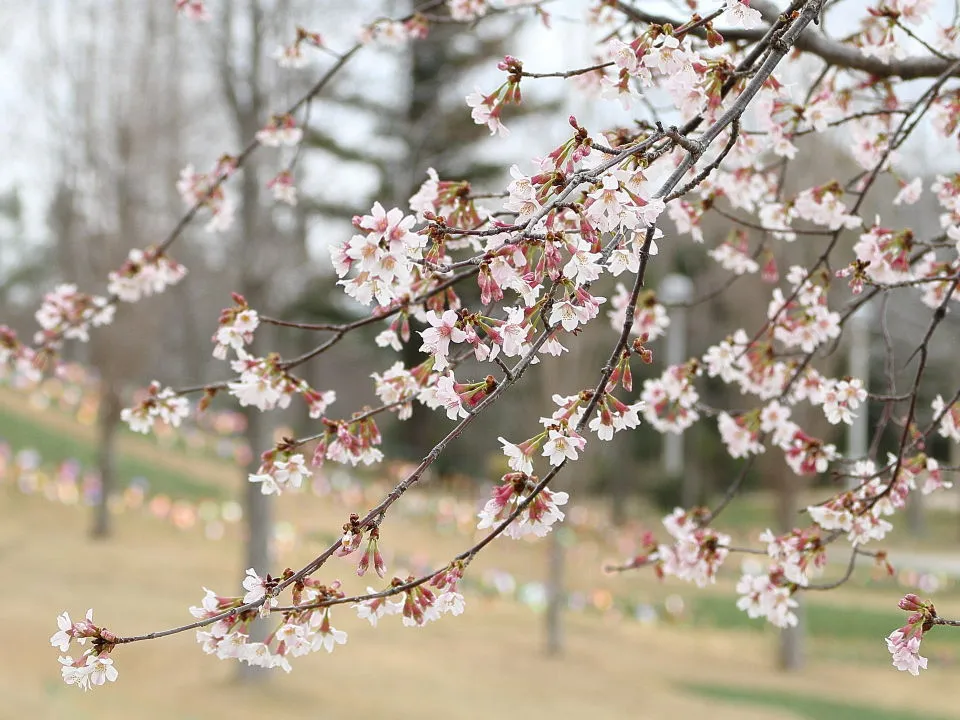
(485, 664)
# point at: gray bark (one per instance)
(555, 594)
(108, 419)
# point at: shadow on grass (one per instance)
(802, 705)
(55, 447)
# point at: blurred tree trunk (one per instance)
(241, 80)
(791, 648)
(555, 593)
(108, 419)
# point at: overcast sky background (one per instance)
(26, 137)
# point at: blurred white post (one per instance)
(858, 436)
(677, 288)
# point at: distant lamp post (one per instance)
(858, 436)
(677, 289)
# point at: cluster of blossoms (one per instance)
(878, 38)
(263, 382)
(292, 56)
(486, 109)
(160, 403)
(282, 131)
(235, 328)
(735, 258)
(696, 553)
(767, 596)
(68, 314)
(419, 605)
(805, 321)
(536, 518)
(886, 256)
(904, 643)
(383, 255)
(352, 442)
(266, 384)
(94, 666)
(144, 273)
(669, 402)
(301, 630)
(860, 512)
(589, 207)
(206, 190)
(352, 539)
(649, 316)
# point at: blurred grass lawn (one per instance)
(485, 663)
(714, 662)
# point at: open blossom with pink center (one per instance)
(514, 333)
(257, 589)
(563, 444)
(583, 266)
(909, 192)
(613, 416)
(520, 457)
(88, 671)
(448, 397)
(568, 315)
(282, 475)
(841, 398)
(235, 330)
(328, 637)
(626, 255)
(442, 331)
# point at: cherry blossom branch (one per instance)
(830, 51)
